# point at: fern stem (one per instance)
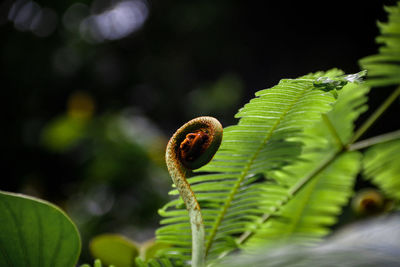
(296, 188)
(371, 120)
(178, 174)
(291, 193)
(192, 146)
(375, 140)
(332, 129)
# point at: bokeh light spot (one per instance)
(29, 16)
(115, 23)
(74, 15)
(80, 105)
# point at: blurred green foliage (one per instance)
(114, 249)
(121, 166)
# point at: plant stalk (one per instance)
(371, 120)
(178, 175)
(375, 140)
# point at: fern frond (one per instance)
(384, 68)
(236, 190)
(382, 165)
(350, 105)
(327, 174)
(307, 217)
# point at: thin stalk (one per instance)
(371, 120)
(375, 140)
(198, 236)
(178, 174)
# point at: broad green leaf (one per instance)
(114, 249)
(34, 232)
(382, 166)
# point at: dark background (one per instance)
(86, 115)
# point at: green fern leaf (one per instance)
(384, 68)
(350, 105)
(382, 165)
(330, 172)
(235, 190)
(307, 217)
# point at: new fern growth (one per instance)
(192, 146)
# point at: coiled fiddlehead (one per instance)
(192, 146)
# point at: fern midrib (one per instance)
(245, 172)
(292, 192)
(300, 211)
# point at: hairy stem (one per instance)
(178, 174)
(371, 120)
(192, 146)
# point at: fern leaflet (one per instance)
(384, 68)
(382, 166)
(330, 171)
